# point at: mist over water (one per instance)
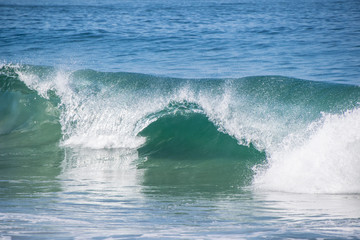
(179, 119)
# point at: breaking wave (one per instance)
(291, 135)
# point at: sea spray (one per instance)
(263, 115)
(326, 161)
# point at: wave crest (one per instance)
(308, 131)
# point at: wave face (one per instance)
(27, 119)
(289, 134)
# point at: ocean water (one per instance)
(180, 119)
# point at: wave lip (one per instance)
(308, 131)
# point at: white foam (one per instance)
(248, 119)
(321, 159)
(99, 117)
(328, 161)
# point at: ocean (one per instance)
(233, 119)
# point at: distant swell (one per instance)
(288, 134)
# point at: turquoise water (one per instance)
(184, 120)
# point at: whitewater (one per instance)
(305, 141)
(179, 119)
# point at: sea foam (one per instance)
(306, 151)
(327, 161)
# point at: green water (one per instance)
(183, 119)
(94, 155)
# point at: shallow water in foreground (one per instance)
(179, 119)
(81, 159)
(97, 194)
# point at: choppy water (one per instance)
(194, 120)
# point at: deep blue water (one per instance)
(313, 40)
(179, 119)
